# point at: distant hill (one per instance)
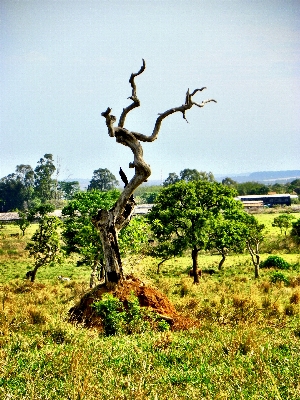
(265, 176)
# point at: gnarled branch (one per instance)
(133, 97)
(133, 139)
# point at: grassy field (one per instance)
(247, 345)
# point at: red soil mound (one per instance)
(148, 297)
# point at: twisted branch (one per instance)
(133, 97)
(132, 139)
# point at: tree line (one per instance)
(27, 187)
(148, 194)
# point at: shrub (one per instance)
(163, 326)
(135, 316)
(295, 233)
(279, 277)
(275, 262)
(112, 313)
(289, 310)
(132, 318)
(295, 298)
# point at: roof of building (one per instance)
(259, 196)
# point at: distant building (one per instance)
(268, 200)
(253, 204)
(142, 209)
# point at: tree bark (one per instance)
(222, 261)
(32, 274)
(195, 264)
(255, 257)
(109, 223)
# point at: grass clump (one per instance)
(279, 277)
(275, 262)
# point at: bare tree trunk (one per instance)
(93, 278)
(254, 252)
(195, 264)
(32, 274)
(105, 224)
(222, 261)
(109, 223)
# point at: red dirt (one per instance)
(148, 297)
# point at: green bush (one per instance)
(295, 233)
(112, 313)
(163, 326)
(275, 262)
(279, 277)
(135, 316)
(132, 318)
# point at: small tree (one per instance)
(229, 182)
(24, 221)
(44, 185)
(68, 189)
(81, 237)
(254, 237)
(184, 213)
(103, 180)
(189, 175)
(171, 179)
(227, 234)
(45, 244)
(295, 233)
(79, 234)
(283, 222)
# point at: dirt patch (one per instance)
(148, 297)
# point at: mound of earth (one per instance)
(148, 297)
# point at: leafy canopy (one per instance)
(185, 211)
(283, 222)
(103, 180)
(81, 236)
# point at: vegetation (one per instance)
(134, 319)
(296, 230)
(247, 344)
(103, 180)
(254, 238)
(283, 222)
(79, 234)
(275, 262)
(81, 237)
(185, 215)
(189, 175)
(44, 245)
(231, 321)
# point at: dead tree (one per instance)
(109, 223)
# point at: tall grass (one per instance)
(247, 345)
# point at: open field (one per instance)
(247, 345)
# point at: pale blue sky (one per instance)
(64, 62)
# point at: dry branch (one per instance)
(109, 223)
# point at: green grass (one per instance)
(247, 346)
(268, 218)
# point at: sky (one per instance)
(62, 63)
